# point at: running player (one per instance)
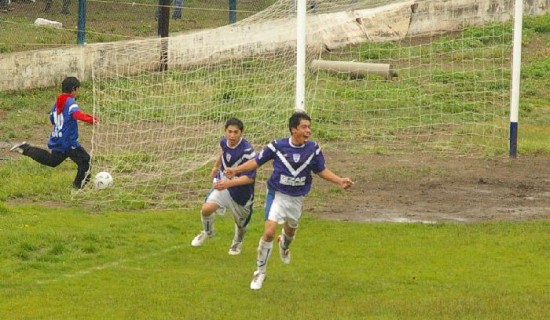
(235, 194)
(294, 159)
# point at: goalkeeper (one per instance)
(64, 135)
(294, 159)
(235, 194)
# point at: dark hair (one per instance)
(69, 84)
(295, 119)
(234, 122)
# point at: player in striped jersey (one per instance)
(294, 160)
(235, 194)
(63, 141)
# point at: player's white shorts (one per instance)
(241, 214)
(282, 208)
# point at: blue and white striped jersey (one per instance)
(232, 157)
(292, 165)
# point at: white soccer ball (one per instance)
(103, 180)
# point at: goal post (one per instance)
(516, 78)
(301, 25)
(435, 78)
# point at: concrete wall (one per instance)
(44, 68)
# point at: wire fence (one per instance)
(37, 24)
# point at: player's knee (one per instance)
(84, 166)
(291, 226)
(269, 232)
(268, 237)
(208, 209)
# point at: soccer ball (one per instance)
(103, 180)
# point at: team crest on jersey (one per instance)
(227, 157)
(296, 157)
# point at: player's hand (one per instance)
(230, 173)
(221, 185)
(346, 183)
(214, 172)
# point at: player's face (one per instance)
(301, 134)
(233, 135)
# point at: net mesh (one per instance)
(437, 87)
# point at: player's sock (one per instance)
(264, 251)
(286, 240)
(239, 233)
(208, 223)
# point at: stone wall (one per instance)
(45, 68)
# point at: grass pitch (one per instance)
(62, 263)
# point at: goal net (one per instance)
(383, 77)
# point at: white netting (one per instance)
(425, 88)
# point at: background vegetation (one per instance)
(134, 19)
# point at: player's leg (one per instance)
(215, 200)
(241, 216)
(82, 159)
(207, 220)
(265, 246)
(293, 212)
(177, 10)
(45, 157)
(284, 240)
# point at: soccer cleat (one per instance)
(19, 147)
(201, 238)
(235, 248)
(283, 253)
(258, 280)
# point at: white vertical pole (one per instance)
(300, 55)
(516, 72)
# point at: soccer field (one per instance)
(440, 223)
(62, 263)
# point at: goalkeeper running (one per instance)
(294, 159)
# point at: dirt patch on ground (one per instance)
(430, 189)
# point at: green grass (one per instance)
(62, 259)
(110, 21)
(454, 107)
(68, 263)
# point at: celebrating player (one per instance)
(63, 141)
(235, 194)
(294, 159)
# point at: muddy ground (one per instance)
(436, 189)
(428, 188)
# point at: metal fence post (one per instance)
(232, 11)
(81, 34)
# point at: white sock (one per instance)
(239, 233)
(264, 251)
(208, 223)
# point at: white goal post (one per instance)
(159, 130)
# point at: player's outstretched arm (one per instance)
(82, 116)
(247, 166)
(328, 175)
